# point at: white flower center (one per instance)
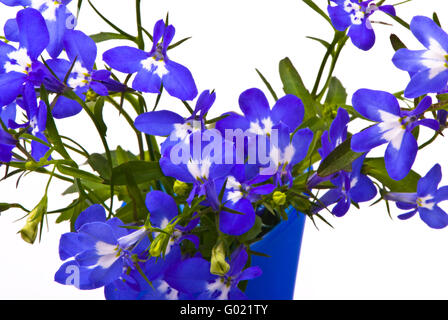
(199, 169)
(155, 66)
(256, 128)
(221, 286)
(19, 61)
(426, 202)
(47, 8)
(80, 76)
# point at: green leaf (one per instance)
(141, 172)
(397, 44)
(100, 164)
(253, 232)
(326, 44)
(376, 168)
(267, 84)
(336, 93)
(7, 206)
(77, 173)
(315, 7)
(293, 84)
(97, 111)
(106, 36)
(339, 159)
(436, 19)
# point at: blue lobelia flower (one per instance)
(82, 51)
(258, 117)
(20, 66)
(285, 152)
(192, 276)
(350, 186)
(154, 68)
(200, 162)
(241, 190)
(57, 18)
(428, 67)
(425, 201)
(355, 15)
(167, 123)
(7, 142)
(102, 250)
(163, 209)
(37, 121)
(394, 127)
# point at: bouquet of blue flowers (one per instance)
(200, 191)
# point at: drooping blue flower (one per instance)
(163, 209)
(425, 201)
(102, 250)
(37, 121)
(154, 68)
(82, 51)
(350, 186)
(428, 67)
(258, 117)
(285, 152)
(57, 17)
(200, 162)
(192, 276)
(241, 190)
(7, 142)
(20, 66)
(394, 127)
(355, 15)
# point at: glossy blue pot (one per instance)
(282, 244)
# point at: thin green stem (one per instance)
(140, 40)
(323, 64)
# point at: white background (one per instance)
(367, 254)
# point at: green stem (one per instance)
(140, 40)
(323, 64)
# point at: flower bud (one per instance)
(180, 188)
(156, 246)
(219, 265)
(279, 198)
(91, 96)
(29, 231)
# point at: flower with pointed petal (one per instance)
(154, 68)
(394, 127)
(425, 201)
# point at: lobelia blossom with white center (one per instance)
(354, 16)
(154, 68)
(57, 17)
(425, 201)
(394, 127)
(428, 68)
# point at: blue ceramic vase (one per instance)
(282, 244)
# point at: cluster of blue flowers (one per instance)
(185, 231)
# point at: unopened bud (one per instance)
(219, 265)
(91, 96)
(156, 246)
(29, 231)
(279, 198)
(180, 188)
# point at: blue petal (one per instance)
(189, 276)
(389, 9)
(6, 152)
(177, 171)
(91, 233)
(11, 30)
(162, 208)
(57, 29)
(10, 86)
(38, 150)
(5, 49)
(237, 224)
(80, 46)
(422, 107)
(368, 139)
(168, 37)
(254, 105)
(409, 60)
(238, 260)
(399, 162)
(179, 82)
(289, 110)
(407, 215)
(69, 245)
(441, 194)
(158, 123)
(250, 273)
(428, 184)
(428, 32)
(94, 213)
(423, 83)
(341, 208)
(101, 277)
(101, 75)
(301, 142)
(125, 59)
(60, 67)
(369, 103)
(435, 218)
(205, 102)
(158, 32)
(33, 32)
(364, 190)
(232, 121)
(338, 129)
(339, 17)
(70, 273)
(147, 81)
(362, 36)
(237, 294)
(99, 88)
